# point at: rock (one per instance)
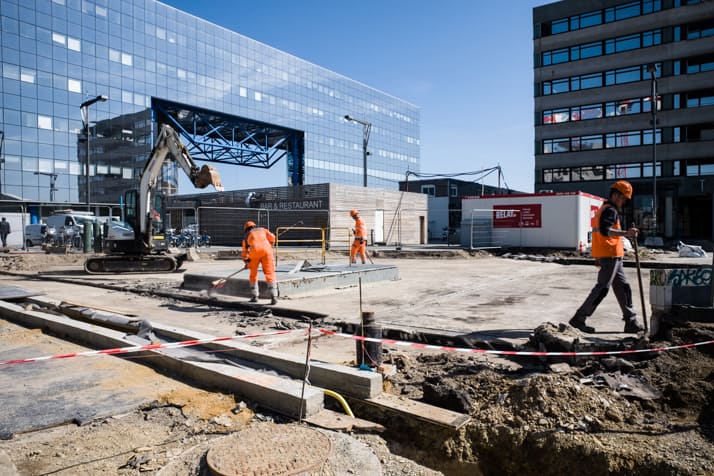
(613, 415)
(447, 397)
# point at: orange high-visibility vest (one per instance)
(606, 246)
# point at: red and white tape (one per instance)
(138, 348)
(511, 352)
(400, 343)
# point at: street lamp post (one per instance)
(84, 109)
(366, 129)
(2, 160)
(652, 69)
(53, 182)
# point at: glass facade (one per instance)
(57, 54)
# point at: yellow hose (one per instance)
(339, 398)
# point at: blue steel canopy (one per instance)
(217, 137)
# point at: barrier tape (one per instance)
(400, 343)
(511, 352)
(138, 348)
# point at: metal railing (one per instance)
(282, 230)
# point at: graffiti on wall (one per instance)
(678, 278)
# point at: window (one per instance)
(556, 116)
(453, 191)
(74, 86)
(556, 175)
(44, 122)
(556, 146)
(428, 190)
(74, 44)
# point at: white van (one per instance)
(35, 234)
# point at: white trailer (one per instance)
(537, 220)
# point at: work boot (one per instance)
(273, 300)
(254, 299)
(632, 326)
(580, 325)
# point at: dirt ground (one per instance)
(529, 416)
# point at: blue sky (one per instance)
(466, 63)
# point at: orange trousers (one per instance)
(359, 245)
(266, 261)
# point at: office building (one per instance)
(138, 63)
(596, 64)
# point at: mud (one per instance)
(542, 423)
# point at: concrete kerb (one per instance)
(350, 381)
(277, 394)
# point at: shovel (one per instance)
(639, 281)
(219, 283)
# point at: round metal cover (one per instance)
(268, 448)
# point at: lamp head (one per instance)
(347, 117)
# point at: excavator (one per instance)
(139, 244)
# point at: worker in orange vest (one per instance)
(258, 250)
(359, 244)
(608, 251)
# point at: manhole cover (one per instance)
(269, 449)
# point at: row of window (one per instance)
(597, 80)
(690, 99)
(600, 172)
(690, 168)
(596, 111)
(611, 140)
(598, 17)
(693, 65)
(625, 43)
(604, 47)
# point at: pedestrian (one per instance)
(258, 250)
(360, 232)
(608, 251)
(4, 231)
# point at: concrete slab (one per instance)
(281, 395)
(295, 283)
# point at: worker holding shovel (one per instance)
(258, 250)
(608, 251)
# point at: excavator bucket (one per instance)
(208, 175)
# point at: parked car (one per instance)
(35, 234)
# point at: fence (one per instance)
(225, 224)
(484, 232)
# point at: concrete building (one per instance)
(138, 63)
(595, 66)
(300, 213)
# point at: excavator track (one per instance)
(131, 264)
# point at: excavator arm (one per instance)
(168, 144)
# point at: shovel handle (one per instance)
(639, 281)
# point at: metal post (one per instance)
(2, 160)
(652, 68)
(366, 129)
(84, 108)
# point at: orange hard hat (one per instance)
(354, 213)
(248, 225)
(623, 187)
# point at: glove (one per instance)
(246, 261)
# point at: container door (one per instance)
(379, 226)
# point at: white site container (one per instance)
(536, 220)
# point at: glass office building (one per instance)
(595, 67)
(156, 64)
